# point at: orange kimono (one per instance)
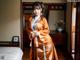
(44, 39)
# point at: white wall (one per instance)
(46, 1)
(9, 19)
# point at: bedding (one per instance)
(10, 53)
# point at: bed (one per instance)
(10, 53)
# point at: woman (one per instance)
(38, 31)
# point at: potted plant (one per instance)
(60, 25)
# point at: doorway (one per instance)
(59, 37)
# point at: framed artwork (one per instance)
(15, 39)
(56, 20)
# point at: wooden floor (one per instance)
(26, 51)
(62, 54)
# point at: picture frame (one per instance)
(15, 39)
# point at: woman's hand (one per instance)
(34, 34)
(31, 35)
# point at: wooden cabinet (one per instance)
(59, 38)
(26, 40)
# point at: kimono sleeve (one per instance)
(45, 29)
(28, 27)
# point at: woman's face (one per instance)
(37, 11)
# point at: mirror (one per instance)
(56, 20)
